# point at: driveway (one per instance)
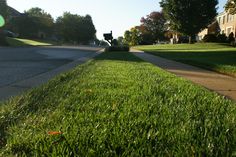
(19, 64)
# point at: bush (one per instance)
(117, 48)
(210, 38)
(231, 38)
(221, 38)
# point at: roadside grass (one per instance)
(213, 56)
(118, 105)
(27, 42)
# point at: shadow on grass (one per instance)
(118, 56)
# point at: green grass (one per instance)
(118, 105)
(216, 57)
(27, 42)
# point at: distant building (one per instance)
(224, 23)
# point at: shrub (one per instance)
(117, 48)
(222, 38)
(231, 38)
(210, 38)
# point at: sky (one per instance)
(107, 15)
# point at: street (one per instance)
(18, 64)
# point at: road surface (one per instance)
(18, 64)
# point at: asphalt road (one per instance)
(17, 64)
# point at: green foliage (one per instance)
(32, 23)
(75, 28)
(231, 6)
(231, 38)
(152, 28)
(118, 105)
(221, 38)
(210, 38)
(150, 31)
(120, 41)
(132, 37)
(218, 57)
(189, 16)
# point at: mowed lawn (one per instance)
(118, 105)
(212, 56)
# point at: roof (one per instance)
(13, 12)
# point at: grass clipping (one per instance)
(118, 105)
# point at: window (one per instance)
(223, 20)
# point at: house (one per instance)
(224, 23)
(13, 12)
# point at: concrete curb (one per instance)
(22, 86)
(222, 84)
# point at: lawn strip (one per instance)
(217, 57)
(118, 105)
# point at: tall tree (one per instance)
(75, 28)
(132, 37)
(231, 6)
(34, 21)
(3, 13)
(43, 20)
(189, 16)
(153, 27)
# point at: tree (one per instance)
(132, 37)
(75, 28)
(43, 20)
(189, 16)
(3, 13)
(153, 27)
(120, 40)
(231, 6)
(32, 23)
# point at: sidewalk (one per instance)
(222, 84)
(22, 86)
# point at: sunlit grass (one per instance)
(26, 42)
(118, 105)
(213, 56)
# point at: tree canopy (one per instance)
(189, 16)
(231, 6)
(31, 23)
(152, 27)
(151, 30)
(73, 27)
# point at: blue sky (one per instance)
(115, 15)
